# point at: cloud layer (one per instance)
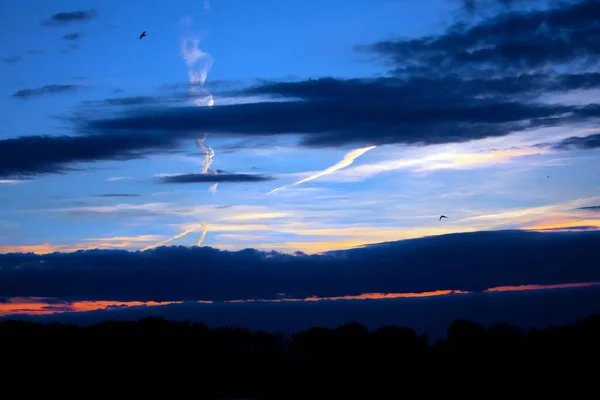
(430, 315)
(72, 36)
(28, 156)
(507, 43)
(579, 143)
(45, 90)
(470, 262)
(344, 119)
(214, 178)
(70, 17)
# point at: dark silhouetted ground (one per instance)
(162, 359)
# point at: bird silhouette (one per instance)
(143, 34)
(442, 216)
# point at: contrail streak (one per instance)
(192, 54)
(209, 153)
(202, 226)
(179, 236)
(204, 230)
(197, 76)
(346, 161)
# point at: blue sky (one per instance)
(394, 191)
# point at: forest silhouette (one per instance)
(154, 354)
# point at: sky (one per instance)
(289, 129)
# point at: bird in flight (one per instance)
(143, 34)
(442, 216)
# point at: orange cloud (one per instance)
(43, 248)
(44, 306)
(541, 287)
(117, 242)
(564, 224)
(371, 296)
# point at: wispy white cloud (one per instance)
(141, 238)
(346, 161)
(117, 178)
(443, 157)
(239, 236)
(117, 242)
(199, 64)
(169, 240)
(255, 216)
(567, 209)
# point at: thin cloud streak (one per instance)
(437, 158)
(117, 242)
(165, 242)
(346, 161)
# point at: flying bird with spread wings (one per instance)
(442, 216)
(143, 34)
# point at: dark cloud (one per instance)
(332, 112)
(57, 308)
(124, 101)
(469, 6)
(448, 88)
(323, 112)
(12, 59)
(194, 273)
(589, 208)
(17, 58)
(119, 195)
(66, 18)
(571, 228)
(135, 101)
(72, 36)
(509, 3)
(28, 156)
(579, 143)
(47, 89)
(214, 178)
(50, 301)
(4, 300)
(514, 41)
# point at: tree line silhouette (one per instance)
(347, 362)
